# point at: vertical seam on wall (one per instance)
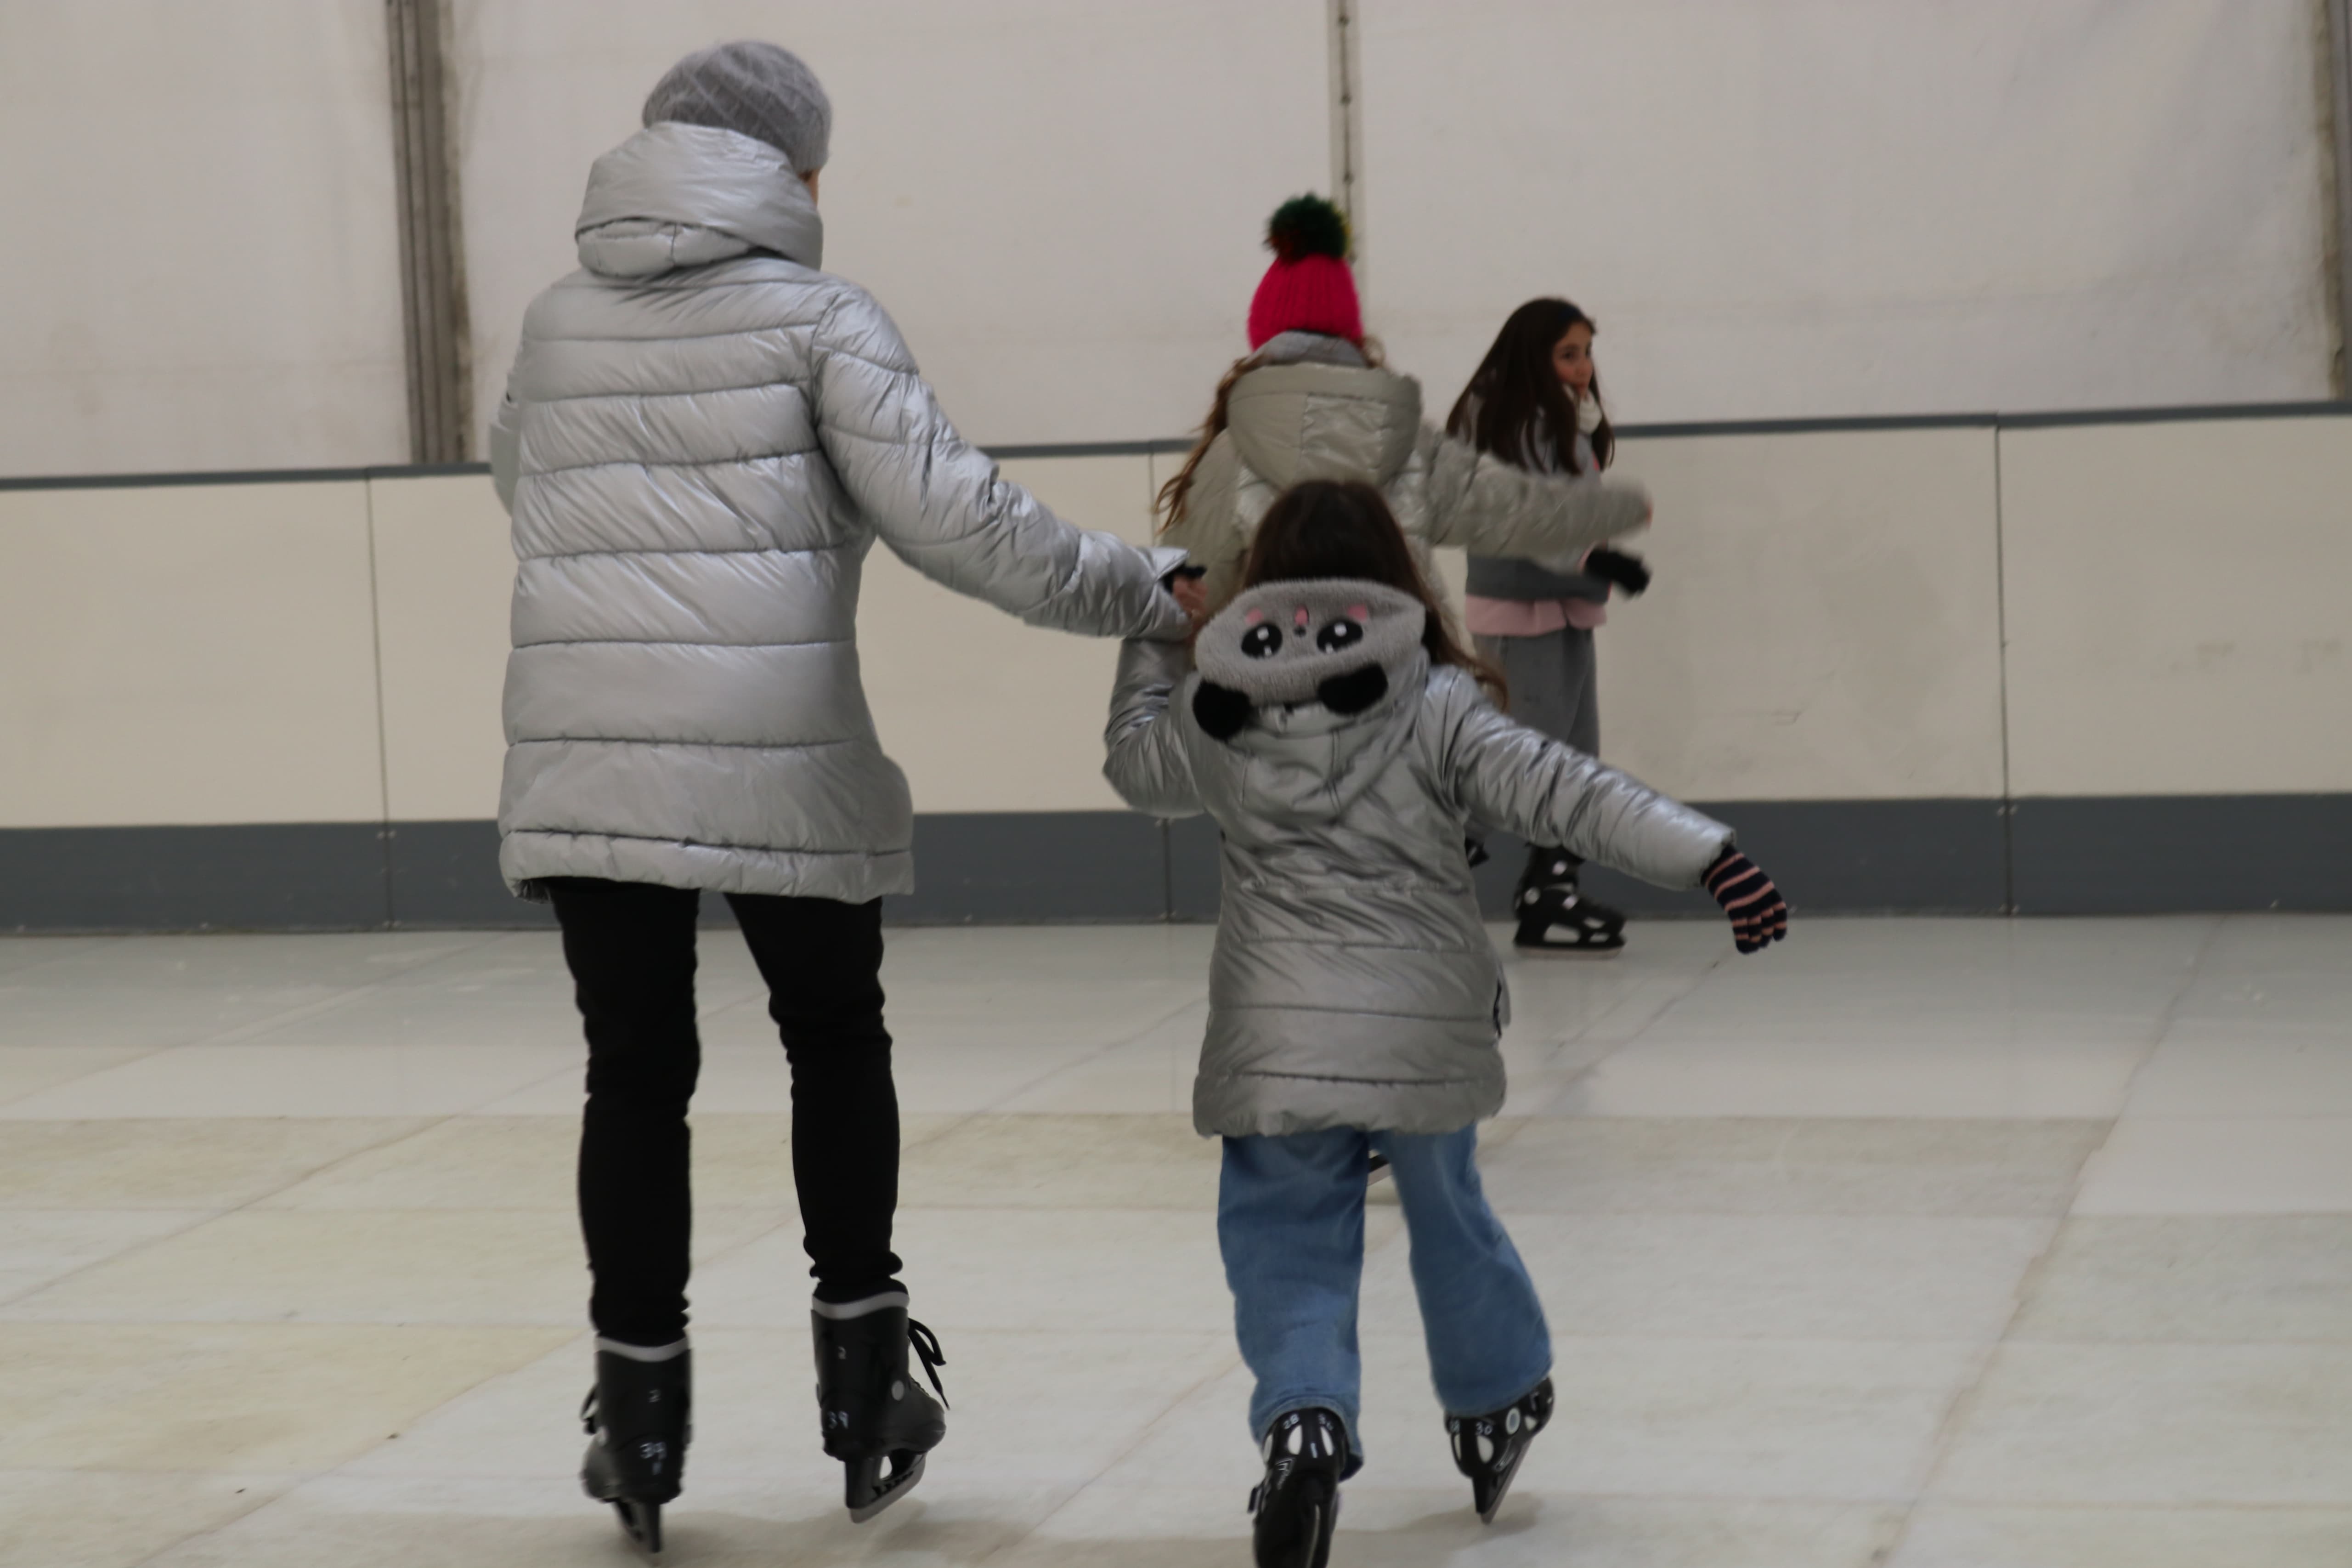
(432, 243)
(2001, 632)
(382, 736)
(2336, 105)
(1340, 31)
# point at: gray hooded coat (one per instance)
(702, 436)
(1353, 983)
(1311, 408)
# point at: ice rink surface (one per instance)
(1963, 1244)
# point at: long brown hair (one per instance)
(1343, 528)
(1177, 491)
(1515, 406)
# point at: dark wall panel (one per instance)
(295, 875)
(2183, 854)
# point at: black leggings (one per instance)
(630, 947)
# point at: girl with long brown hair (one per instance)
(1337, 734)
(1534, 401)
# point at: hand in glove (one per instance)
(1183, 586)
(1628, 572)
(1759, 916)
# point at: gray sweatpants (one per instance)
(1552, 684)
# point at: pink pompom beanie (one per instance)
(1309, 287)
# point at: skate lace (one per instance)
(925, 1346)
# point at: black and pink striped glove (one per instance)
(1759, 916)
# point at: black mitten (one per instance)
(1759, 916)
(1629, 572)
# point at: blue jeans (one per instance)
(1291, 1221)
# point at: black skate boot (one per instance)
(869, 1405)
(641, 1413)
(1555, 917)
(1297, 1504)
(1488, 1449)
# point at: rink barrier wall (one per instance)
(2115, 856)
(2075, 662)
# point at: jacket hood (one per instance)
(1305, 763)
(1309, 421)
(1326, 639)
(678, 196)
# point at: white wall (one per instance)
(1826, 624)
(2180, 606)
(200, 267)
(443, 579)
(1809, 206)
(197, 654)
(1059, 200)
(1822, 208)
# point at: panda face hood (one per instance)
(1308, 687)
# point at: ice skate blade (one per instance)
(640, 1522)
(886, 1490)
(1502, 1487)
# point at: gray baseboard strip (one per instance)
(1025, 868)
(2120, 855)
(2182, 854)
(445, 876)
(292, 875)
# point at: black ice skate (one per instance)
(1555, 917)
(1488, 1449)
(1297, 1504)
(641, 1415)
(869, 1405)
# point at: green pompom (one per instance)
(1307, 226)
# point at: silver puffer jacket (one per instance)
(1310, 408)
(1353, 983)
(702, 436)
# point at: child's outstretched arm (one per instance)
(1147, 762)
(1486, 506)
(1547, 793)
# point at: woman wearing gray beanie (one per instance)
(702, 436)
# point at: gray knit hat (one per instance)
(754, 89)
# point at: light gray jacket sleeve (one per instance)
(1148, 763)
(941, 506)
(1490, 508)
(1511, 777)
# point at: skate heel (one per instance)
(1297, 1503)
(640, 1415)
(872, 1412)
(1489, 1448)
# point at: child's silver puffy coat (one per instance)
(1354, 985)
(1310, 408)
(702, 436)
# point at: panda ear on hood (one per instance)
(1354, 691)
(1220, 709)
